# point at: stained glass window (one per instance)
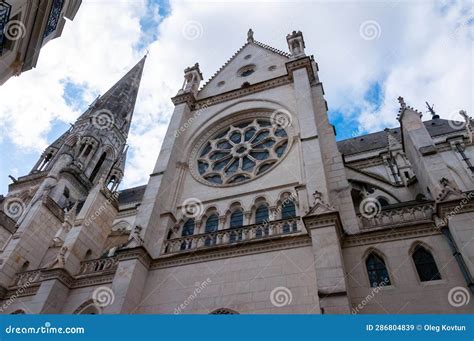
(241, 152)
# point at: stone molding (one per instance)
(386, 235)
(304, 62)
(187, 97)
(251, 89)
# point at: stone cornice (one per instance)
(229, 252)
(389, 234)
(187, 97)
(29, 177)
(322, 220)
(139, 253)
(251, 89)
(304, 62)
(457, 206)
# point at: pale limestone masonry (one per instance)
(272, 216)
(26, 26)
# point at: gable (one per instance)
(267, 63)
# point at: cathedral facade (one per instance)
(252, 206)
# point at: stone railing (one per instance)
(98, 265)
(398, 216)
(233, 235)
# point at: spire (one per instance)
(116, 106)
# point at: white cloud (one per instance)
(423, 53)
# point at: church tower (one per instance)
(63, 209)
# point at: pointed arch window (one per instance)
(98, 166)
(212, 225)
(425, 264)
(377, 271)
(188, 230)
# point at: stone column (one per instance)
(129, 281)
(325, 232)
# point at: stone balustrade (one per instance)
(98, 265)
(397, 216)
(234, 235)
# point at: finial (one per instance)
(250, 36)
(464, 114)
(402, 102)
(431, 111)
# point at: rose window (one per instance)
(242, 152)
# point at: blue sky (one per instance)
(368, 52)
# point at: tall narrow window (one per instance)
(261, 217)
(97, 167)
(212, 224)
(288, 211)
(236, 220)
(188, 230)
(378, 274)
(261, 214)
(425, 264)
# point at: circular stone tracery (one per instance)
(241, 152)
